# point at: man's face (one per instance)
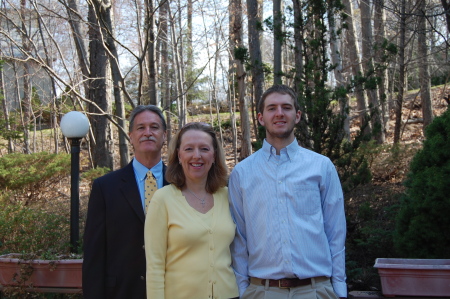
(279, 116)
(147, 135)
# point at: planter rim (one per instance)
(399, 263)
(16, 257)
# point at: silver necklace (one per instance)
(202, 200)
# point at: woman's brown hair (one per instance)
(217, 175)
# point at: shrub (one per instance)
(26, 177)
(28, 230)
(94, 173)
(424, 215)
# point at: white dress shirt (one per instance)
(289, 212)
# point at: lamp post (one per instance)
(74, 125)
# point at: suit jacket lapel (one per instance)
(164, 176)
(130, 191)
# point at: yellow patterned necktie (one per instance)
(150, 188)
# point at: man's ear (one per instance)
(260, 119)
(298, 116)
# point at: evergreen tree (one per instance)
(423, 220)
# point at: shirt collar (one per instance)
(289, 151)
(141, 170)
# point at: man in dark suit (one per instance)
(114, 256)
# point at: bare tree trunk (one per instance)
(255, 48)
(26, 100)
(5, 112)
(234, 26)
(181, 102)
(355, 62)
(446, 6)
(80, 46)
(110, 43)
(402, 73)
(165, 76)
(236, 45)
(380, 36)
(298, 40)
(299, 31)
(337, 62)
(232, 109)
(425, 84)
(277, 40)
(49, 61)
(153, 76)
(102, 145)
(367, 44)
(189, 73)
(182, 69)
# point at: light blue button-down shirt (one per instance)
(140, 172)
(289, 214)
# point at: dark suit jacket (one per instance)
(114, 256)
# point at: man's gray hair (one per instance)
(142, 108)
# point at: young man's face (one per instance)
(147, 135)
(279, 116)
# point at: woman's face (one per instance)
(196, 155)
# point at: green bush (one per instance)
(424, 215)
(94, 173)
(26, 177)
(28, 230)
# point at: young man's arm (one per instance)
(239, 252)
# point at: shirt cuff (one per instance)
(340, 288)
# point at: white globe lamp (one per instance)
(74, 125)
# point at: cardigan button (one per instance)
(142, 278)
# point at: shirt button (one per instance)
(211, 248)
(210, 231)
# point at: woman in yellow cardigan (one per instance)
(188, 227)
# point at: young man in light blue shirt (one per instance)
(288, 206)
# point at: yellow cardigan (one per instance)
(187, 258)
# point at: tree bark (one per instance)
(165, 75)
(102, 145)
(5, 111)
(402, 72)
(236, 43)
(355, 63)
(380, 36)
(26, 100)
(255, 48)
(425, 83)
(277, 41)
(446, 6)
(179, 73)
(77, 35)
(153, 76)
(110, 43)
(335, 42)
(367, 44)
